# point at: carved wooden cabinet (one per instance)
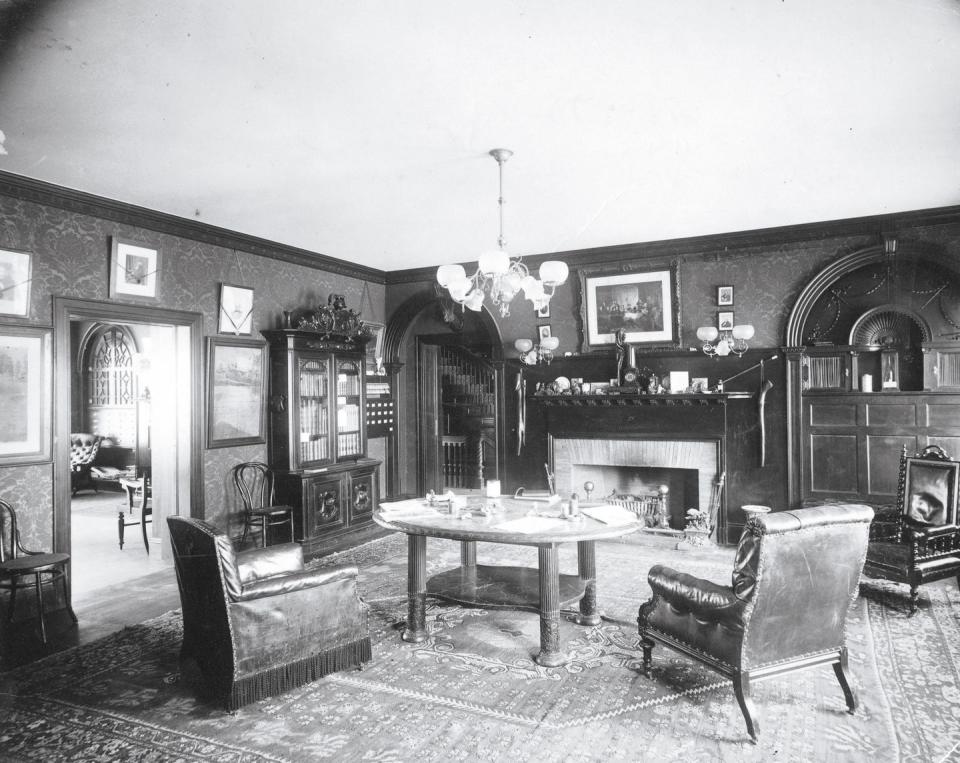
(318, 437)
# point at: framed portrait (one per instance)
(374, 360)
(16, 273)
(724, 296)
(236, 392)
(930, 492)
(25, 386)
(725, 320)
(643, 305)
(236, 310)
(543, 312)
(543, 332)
(134, 269)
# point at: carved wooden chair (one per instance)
(919, 540)
(794, 577)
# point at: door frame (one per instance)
(66, 310)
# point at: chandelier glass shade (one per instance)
(498, 276)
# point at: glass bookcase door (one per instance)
(314, 411)
(349, 409)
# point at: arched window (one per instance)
(111, 379)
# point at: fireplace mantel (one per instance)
(627, 398)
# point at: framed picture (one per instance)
(699, 384)
(236, 310)
(724, 296)
(375, 349)
(25, 387)
(725, 320)
(543, 312)
(644, 304)
(134, 269)
(543, 332)
(236, 392)
(16, 273)
(930, 492)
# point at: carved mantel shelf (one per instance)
(620, 400)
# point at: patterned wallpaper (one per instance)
(71, 255)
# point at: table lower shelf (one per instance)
(500, 587)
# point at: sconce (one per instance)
(727, 341)
(532, 354)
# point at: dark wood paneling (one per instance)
(833, 463)
(891, 415)
(882, 454)
(944, 415)
(827, 415)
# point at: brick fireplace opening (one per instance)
(689, 468)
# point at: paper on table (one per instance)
(527, 524)
(611, 515)
(406, 509)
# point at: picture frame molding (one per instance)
(121, 250)
(20, 307)
(591, 341)
(725, 296)
(721, 319)
(215, 343)
(37, 444)
(235, 294)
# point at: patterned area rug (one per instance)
(473, 692)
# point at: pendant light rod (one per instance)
(501, 155)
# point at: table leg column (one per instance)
(550, 654)
(587, 570)
(468, 553)
(416, 630)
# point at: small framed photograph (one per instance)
(543, 312)
(543, 332)
(236, 392)
(15, 277)
(724, 296)
(236, 310)
(725, 320)
(699, 384)
(374, 360)
(134, 269)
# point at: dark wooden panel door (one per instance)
(833, 465)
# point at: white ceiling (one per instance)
(360, 130)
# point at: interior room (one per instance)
(516, 381)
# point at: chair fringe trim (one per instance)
(285, 677)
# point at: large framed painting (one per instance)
(930, 492)
(644, 305)
(25, 388)
(15, 277)
(236, 392)
(134, 269)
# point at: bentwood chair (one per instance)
(18, 565)
(254, 483)
(794, 577)
(257, 622)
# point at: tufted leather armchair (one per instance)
(83, 451)
(794, 577)
(257, 623)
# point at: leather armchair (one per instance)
(258, 623)
(794, 576)
(83, 450)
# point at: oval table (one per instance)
(510, 521)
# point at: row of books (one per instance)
(348, 417)
(313, 384)
(348, 443)
(315, 450)
(313, 416)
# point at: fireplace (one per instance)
(688, 468)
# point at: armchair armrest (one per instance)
(703, 598)
(296, 581)
(258, 563)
